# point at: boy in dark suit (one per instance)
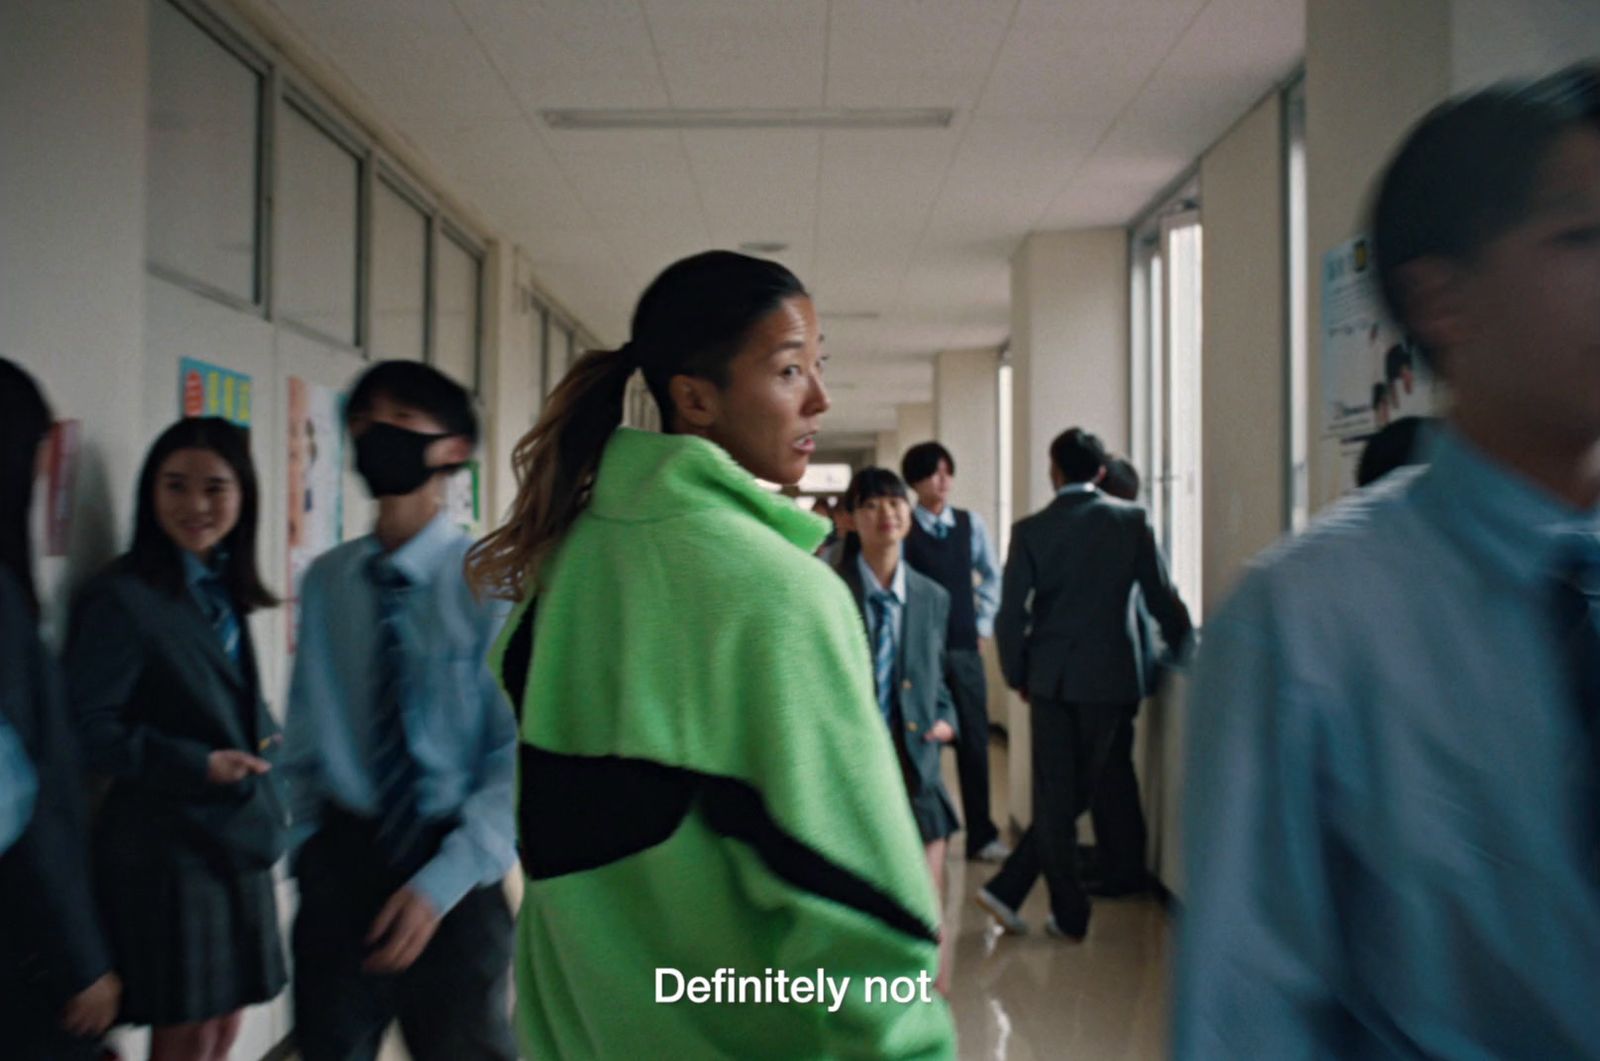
(1069, 646)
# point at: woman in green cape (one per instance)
(705, 782)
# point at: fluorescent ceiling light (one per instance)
(751, 118)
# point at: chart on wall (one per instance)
(316, 483)
(1371, 374)
(210, 390)
(463, 498)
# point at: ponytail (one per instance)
(555, 464)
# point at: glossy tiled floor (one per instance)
(1036, 997)
(1032, 998)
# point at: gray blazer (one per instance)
(919, 671)
(154, 694)
(1065, 629)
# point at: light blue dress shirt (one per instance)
(18, 786)
(1392, 816)
(459, 725)
(985, 561)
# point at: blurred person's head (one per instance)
(880, 509)
(1487, 239)
(198, 495)
(1076, 456)
(24, 428)
(410, 424)
(729, 347)
(1121, 479)
(930, 469)
(1398, 372)
(1397, 445)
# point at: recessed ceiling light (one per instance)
(758, 246)
(751, 118)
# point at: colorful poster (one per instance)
(463, 498)
(316, 483)
(1371, 373)
(61, 489)
(207, 390)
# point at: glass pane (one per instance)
(319, 192)
(399, 275)
(456, 291)
(204, 114)
(1184, 398)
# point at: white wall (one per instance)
(1495, 39)
(966, 416)
(72, 191)
(1244, 382)
(914, 424)
(1373, 67)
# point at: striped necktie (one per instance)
(224, 620)
(941, 530)
(883, 606)
(394, 771)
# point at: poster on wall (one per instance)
(316, 484)
(208, 390)
(61, 486)
(463, 498)
(1371, 374)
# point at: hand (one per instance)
(91, 1011)
(405, 925)
(941, 733)
(229, 766)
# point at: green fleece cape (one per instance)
(706, 782)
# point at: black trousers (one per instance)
(970, 690)
(1071, 743)
(1120, 834)
(453, 1004)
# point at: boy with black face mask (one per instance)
(400, 756)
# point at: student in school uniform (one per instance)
(906, 616)
(166, 694)
(401, 756)
(58, 993)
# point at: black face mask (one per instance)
(391, 459)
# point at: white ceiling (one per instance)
(1069, 113)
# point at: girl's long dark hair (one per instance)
(692, 320)
(867, 484)
(157, 558)
(24, 421)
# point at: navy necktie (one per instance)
(883, 605)
(941, 530)
(394, 770)
(219, 609)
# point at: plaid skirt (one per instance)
(191, 940)
(935, 814)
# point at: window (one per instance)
(1007, 468)
(204, 129)
(456, 293)
(1166, 330)
(399, 275)
(1299, 492)
(319, 216)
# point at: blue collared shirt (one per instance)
(1392, 813)
(459, 726)
(985, 562)
(18, 786)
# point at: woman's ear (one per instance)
(696, 401)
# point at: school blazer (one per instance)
(1065, 629)
(153, 694)
(924, 698)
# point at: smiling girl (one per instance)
(163, 682)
